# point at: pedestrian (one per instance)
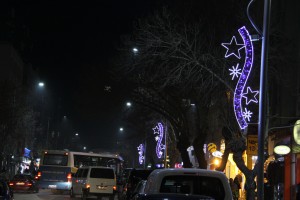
(234, 189)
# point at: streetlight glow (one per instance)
(41, 84)
(128, 104)
(135, 50)
(121, 129)
(76, 134)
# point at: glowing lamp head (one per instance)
(282, 149)
(41, 84)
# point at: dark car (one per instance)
(5, 192)
(139, 190)
(24, 183)
(135, 176)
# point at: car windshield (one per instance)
(196, 185)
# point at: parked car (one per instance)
(175, 184)
(5, 192)
(94, 181)
(139, 190)
(135, 176)
(23, 183)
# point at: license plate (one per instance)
(20, 183)
(52, 186)
(101, 187)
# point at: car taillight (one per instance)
(114, 188)
(29, 184)
(39, 174)
(69, 177)
(87, 186)
(11, 184)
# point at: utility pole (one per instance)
(262, 126)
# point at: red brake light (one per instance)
(11, 184)
(114, 188)
(29, 184)
(39, 174)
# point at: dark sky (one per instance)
(72, 43)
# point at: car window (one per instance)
(102, 173)
(22, 177)
(197, 185)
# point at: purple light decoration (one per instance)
(238, 93)
(159, 132)
(233, 49)
(252, 95)
(141, 153)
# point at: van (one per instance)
(94, 181)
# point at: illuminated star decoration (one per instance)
(247, 114)
(235, 71)
(159, 132)
(233, 48)
(141, 153)
(250, 96)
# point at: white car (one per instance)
(94, 181)
(186, 184)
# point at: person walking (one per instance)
(234, 189)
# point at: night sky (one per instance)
(72, 44)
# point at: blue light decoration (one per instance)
(141, 151)
(158, 131)
(233, 49)
(27, 153)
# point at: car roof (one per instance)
(101, 167)
(187, 171)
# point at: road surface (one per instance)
(46, 194)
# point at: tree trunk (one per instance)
(198, 150)
(182, 145)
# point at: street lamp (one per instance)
(282, 149)
(135, 50)
(121, 129)
(128, 104)
(41, 84)
(76, 134)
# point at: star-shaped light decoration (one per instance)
(247, 114)
(235, 71)
(155, 130)
(233, 48)
(250, 96)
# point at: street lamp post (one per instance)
(262, 127)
